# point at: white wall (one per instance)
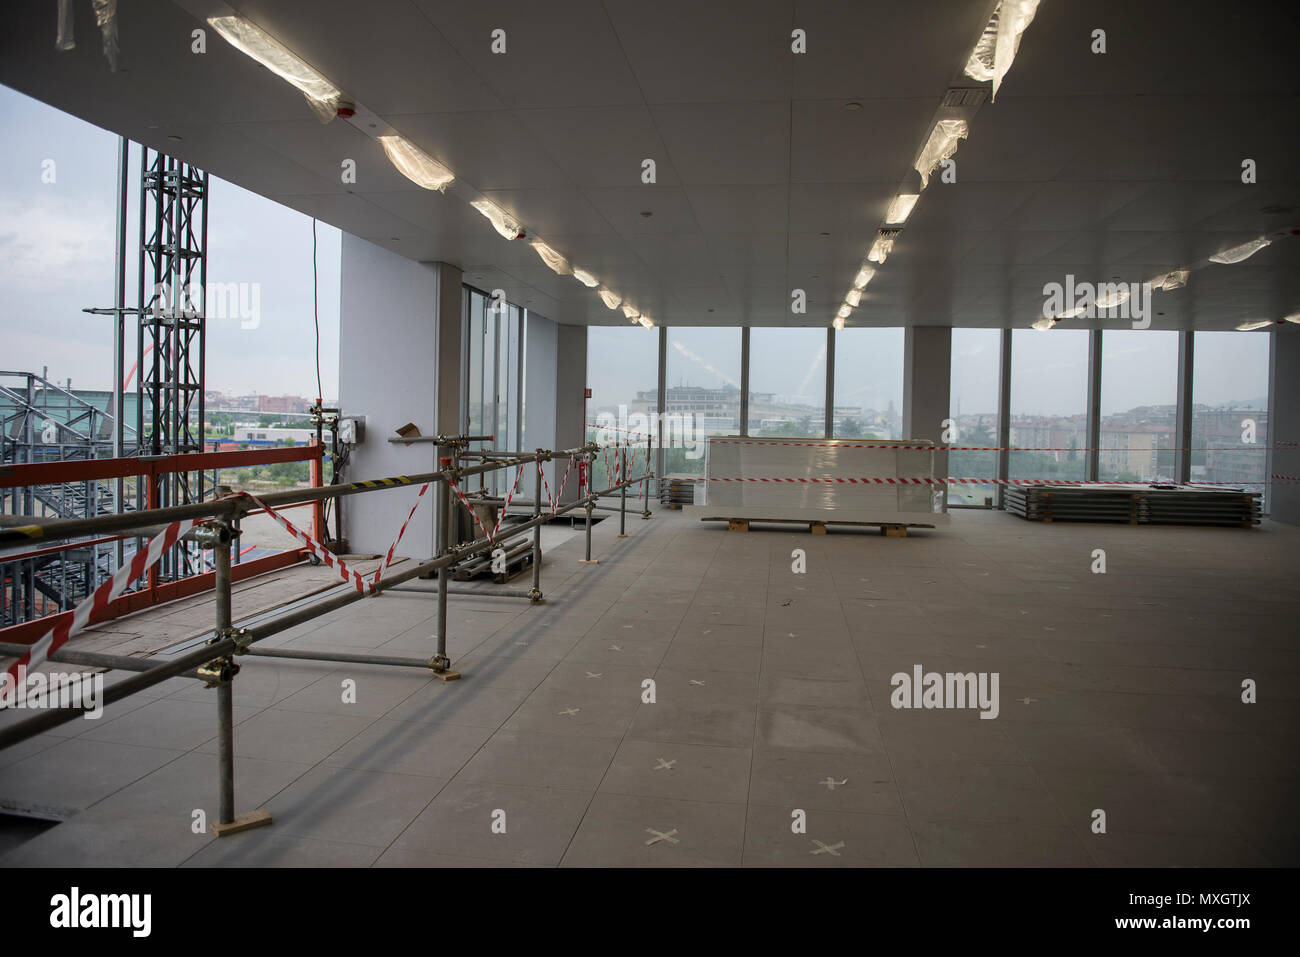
(540, 353)
(387, 361)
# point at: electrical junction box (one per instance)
(352, 430)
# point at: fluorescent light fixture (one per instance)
(838, 323)
(559, 265)
(1043, 323)
(252, 41)
(586, 278)
(854, 297)
(1240, 253)
(863, 277)
(901, 208)
(1113, 296)
(1294, 317)
(1256, 324)
(610, 299)
(501, 222)
(647, 322)
(940, 146)
(845, 311)
(997, 46)
(631, 311)
(1176, 279)
(415, 164)
(1071, 313)
(881, 249)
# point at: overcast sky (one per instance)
(56, 257)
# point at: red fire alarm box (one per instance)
(586, 393)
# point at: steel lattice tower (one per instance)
(172, 284)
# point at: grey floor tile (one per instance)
(629, 831)
(844, 781)
(541, 760)
(684, 772)
(832, 839)
(350, 806)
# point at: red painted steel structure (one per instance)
(156, 593)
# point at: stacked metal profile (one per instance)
(678, 490)
(1135, 504)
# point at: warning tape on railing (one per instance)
(94, 604)
(502, 514)
(388, 557)
(469, 508)
(843, 444)
(559, 494)
(328, 558)
(929, 480)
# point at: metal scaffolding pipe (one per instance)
(225, 692)
(224, 646)
(63, 529)
(87, 659)
(314, 655)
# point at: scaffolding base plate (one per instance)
(447, 675)
(588, 561)
(243, 822)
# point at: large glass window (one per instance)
(1230, 408)
(868, 383)
(787, 382)
(703, 393)
(623, 375)
(493, 376)
(1139, 398)
(973, 394)
(1049, 399)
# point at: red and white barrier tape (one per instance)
(95, 603)
(388, 558)
(927, 480)
(470, 508)
(327, 557)
(844, 444)
(502, 514)
(555, 502)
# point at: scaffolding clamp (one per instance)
(218, 671)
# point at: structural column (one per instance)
(1092, 457)
(1283, 432)
(927, 379)
(1183, 419)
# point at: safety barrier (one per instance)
(210, 524)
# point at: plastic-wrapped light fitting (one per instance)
(500, 221)
(845, 311)
(1240, 253)
(1071, 313)
(558, 263)
(1175, 279)
(647, 322)
(322, 96)
(1294, 317)
(901, 208)
(854, 297)
(631, 311)
(998, 45)
(586, 278)
(610, 299)
(1110, 296)
(1043, 323)
(838, 324)
(941, 145)
(1252, 326)
(863, 277)
(881, 249)
(415, 164)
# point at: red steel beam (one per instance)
(85, 470)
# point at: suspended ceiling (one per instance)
(1108, 167)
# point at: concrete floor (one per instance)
(1118, 691)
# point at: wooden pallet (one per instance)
(890, 529)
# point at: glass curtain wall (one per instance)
(787, 382)
(1230, 408)
(973, 394)
(868, 383)
(1049, 400)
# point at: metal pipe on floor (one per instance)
(442, 543)
(86, 659)
(622, 497)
